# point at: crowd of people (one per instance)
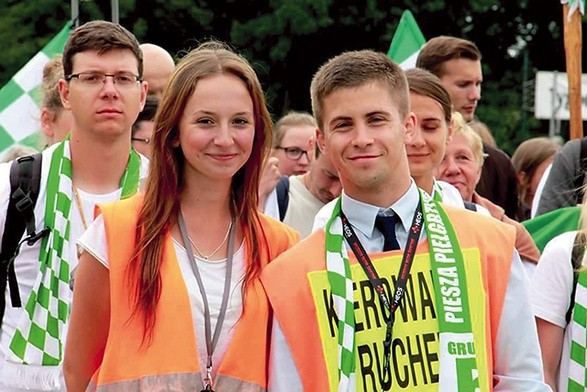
(186, 241)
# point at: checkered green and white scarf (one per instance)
(36, 350)
(341, 283)
(578, 325)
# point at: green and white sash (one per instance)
(578, 325)
(458, 368)
(36, 349)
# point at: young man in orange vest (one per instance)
(437, 303)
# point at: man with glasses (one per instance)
(104, 90)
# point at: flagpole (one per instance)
(573, 45)
(75, 13)
(114, 5)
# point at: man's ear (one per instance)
(144, 92)
(410, 125)
(321, 141)
(64, 93)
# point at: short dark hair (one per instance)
(441, 49)
(101, 36)
(355, 69)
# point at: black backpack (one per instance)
(576, 262)
(580, 177)
(25, 179)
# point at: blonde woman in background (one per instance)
(462, 166)
(55, 119)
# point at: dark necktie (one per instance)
(386, 225)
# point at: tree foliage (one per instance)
(286, 41)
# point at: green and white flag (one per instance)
(406, 42)
(574, 5)
(20, 98)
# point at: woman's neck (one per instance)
(425, 183)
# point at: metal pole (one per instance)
(553, 93)
(75, 13)
(524, 124)
(115, 18)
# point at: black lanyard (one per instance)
(404, 272)
(210, 341)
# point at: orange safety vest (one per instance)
(170, 361)
(287, 283)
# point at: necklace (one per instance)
(215, 250)
(80, 208)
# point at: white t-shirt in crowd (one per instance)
(213, 274)
(550, 293)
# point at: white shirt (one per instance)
(550, 293)
(213, 274)
(302, 207)
(539, 190)
(518, 364)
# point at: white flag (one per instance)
(20, 98)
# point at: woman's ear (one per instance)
(522, 178)
(47, 118)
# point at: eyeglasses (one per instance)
(140, 139)
(294, 153)
(97, 79)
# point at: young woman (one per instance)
(531, 159)
(431, 104)
(167, 290)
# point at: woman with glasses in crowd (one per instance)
(291, 154)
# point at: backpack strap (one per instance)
(576, 262)
(470, 206)
(25, 178)
(282, 196)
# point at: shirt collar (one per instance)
(362, 215)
